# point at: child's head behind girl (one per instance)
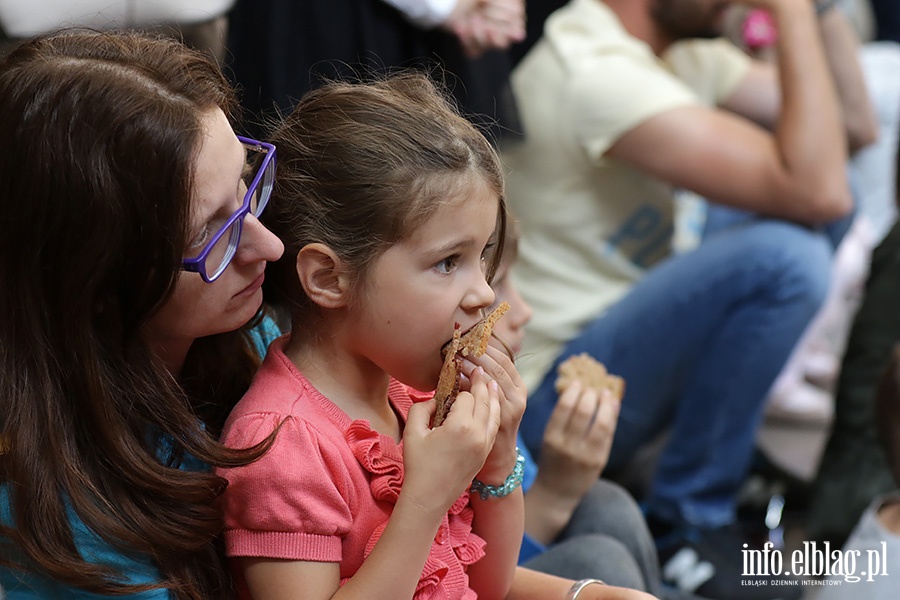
(389, 204)
(510, 330)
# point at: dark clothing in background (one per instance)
(887, 19)
(854, 467)
(279, 49)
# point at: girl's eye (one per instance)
(447, 265)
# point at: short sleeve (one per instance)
(291, 503)
(612, 94)
(712, 69)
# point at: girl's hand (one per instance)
(500, 368)
(440, 463)
(578, 440)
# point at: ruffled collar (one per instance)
(383, 460)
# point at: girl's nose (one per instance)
(481, 295)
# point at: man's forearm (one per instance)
(843, 53)
(809, 133)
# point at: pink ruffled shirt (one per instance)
(326, 489)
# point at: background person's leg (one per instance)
(609, 509)
(699, 341)
(594, 556)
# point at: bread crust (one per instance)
(591, 373)
(474, 343)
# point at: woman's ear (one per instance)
(322, 275)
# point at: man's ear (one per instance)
(322, 275)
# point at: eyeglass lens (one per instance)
(224, 249)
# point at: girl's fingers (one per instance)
(481, 404)
(472, 401)
(488, 390)
(499, 367)
(420, 413)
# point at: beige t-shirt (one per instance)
(591, 225)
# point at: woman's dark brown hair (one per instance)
(100, 134)
(360, 165)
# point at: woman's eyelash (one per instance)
(201, 238)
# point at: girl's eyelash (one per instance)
(446, 265)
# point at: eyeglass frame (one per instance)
(197, 264)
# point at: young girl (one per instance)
(131, 259)
(390, 205)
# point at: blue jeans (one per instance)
(699, 340)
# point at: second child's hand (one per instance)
(575, 450)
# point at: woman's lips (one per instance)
(255, 285)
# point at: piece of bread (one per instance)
(591, 373)
(448, 382)
(475, 343)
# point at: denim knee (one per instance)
(795, 260)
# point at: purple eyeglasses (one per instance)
(217, 254)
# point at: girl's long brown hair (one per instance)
(100, 135)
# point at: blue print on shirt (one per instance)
(644, 238)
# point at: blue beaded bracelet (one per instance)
(512, 482)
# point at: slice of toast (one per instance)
(475, 343)
(591, 373)
(448, 382)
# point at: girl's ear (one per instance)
(322, 276)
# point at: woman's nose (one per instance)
(258, 243)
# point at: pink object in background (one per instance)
(759, 30)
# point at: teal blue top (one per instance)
(19, 585)
(134, 569)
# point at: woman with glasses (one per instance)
(131, 262)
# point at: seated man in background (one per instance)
(617, 115)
